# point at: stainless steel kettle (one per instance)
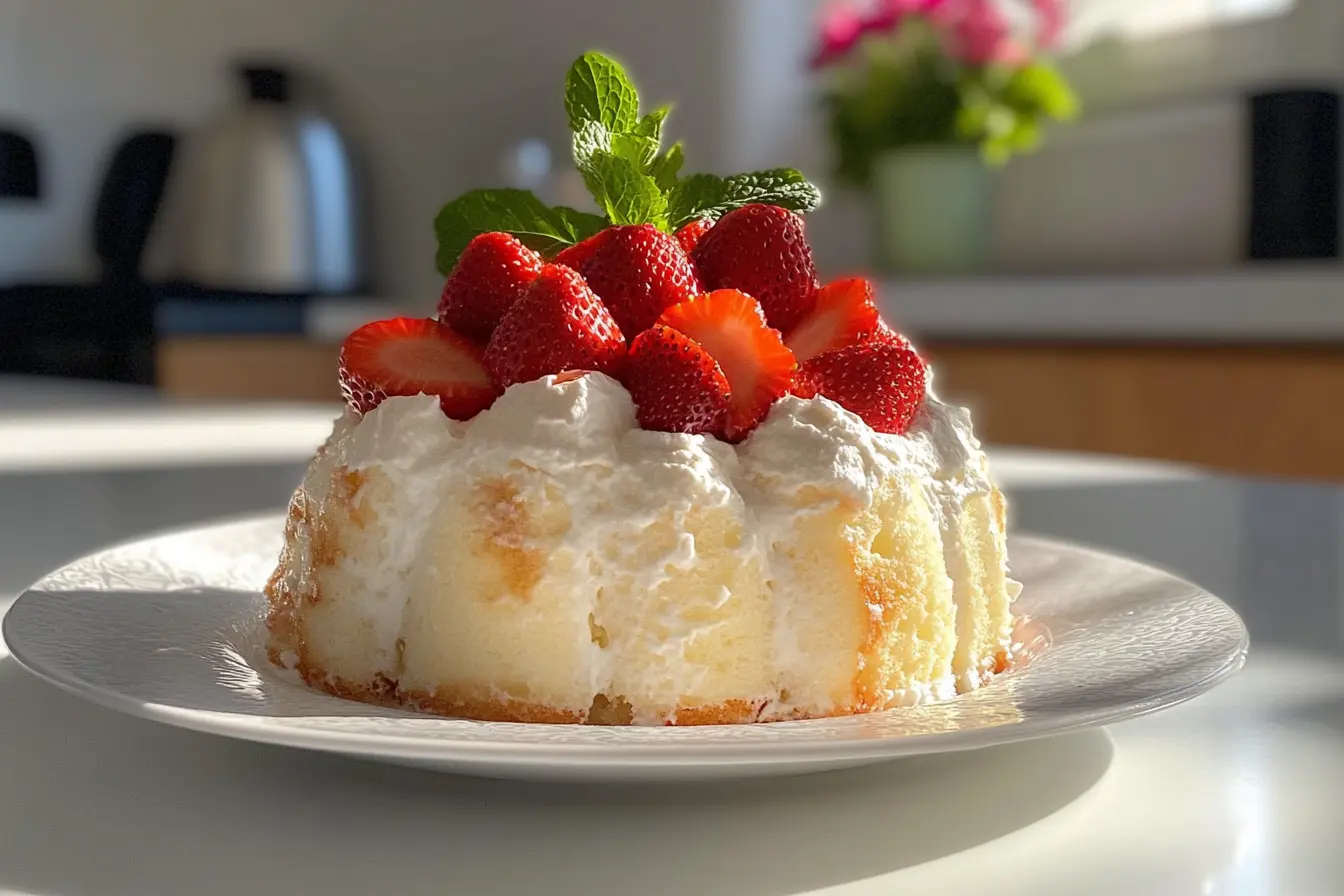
(266, 199)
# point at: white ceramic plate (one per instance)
(170, 629)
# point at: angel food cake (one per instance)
(642, 468)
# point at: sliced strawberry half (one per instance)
(844, 315)
(411, 356)
(558, 325)
(675, 384)
(883, 383)
(759, 367)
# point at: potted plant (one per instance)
(920, 97)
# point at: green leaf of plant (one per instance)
(589, 138)
(626, 194)
(544, 228)
(710, 196)
(593, 137)
(666, 167)
(637, 148)
(598, 89)
(1040, 87)
(651, 125)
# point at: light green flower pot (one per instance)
(932, 210)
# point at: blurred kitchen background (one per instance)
(1162, 278)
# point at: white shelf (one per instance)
(1255, 304)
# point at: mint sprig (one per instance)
(666, 167)
(710, 196)
(632, 179)
(598, 89)
(624, 191)
(544, 228)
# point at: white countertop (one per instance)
(1237, 792)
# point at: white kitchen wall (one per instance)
(1183, 81)
(1242, 44)
(433, 91)
(430, 91)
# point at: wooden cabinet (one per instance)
(1252, 409)
(248, 368)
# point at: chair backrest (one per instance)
(131, 193)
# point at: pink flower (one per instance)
(1012, 52)
(884, 17)
(979, 33)
(942, 12)
(1053, 16)
(841, 27)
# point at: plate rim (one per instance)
(687, 754)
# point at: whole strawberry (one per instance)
(558, 325)
(411, 356)
(761, 250)
(883, 383)
(675, 384)
(491, 274)
(638, 271)
(578, 254)
(886, 334)
(689, 235)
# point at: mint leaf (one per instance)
(625, 193)
(518, 212)
(638, 149)
(666, 167)
(651, 125)
(589, 138)
(711, 196)
(597, 89)
(593, 136)
(591, 141)
(613, 165)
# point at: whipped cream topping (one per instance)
(816, 443)
(582, 436)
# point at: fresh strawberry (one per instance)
(411, 355)
(559, 324)
(728, 324)
(882, 383)
(761, 250)
(491, 274)
(844, 315)
(689, 235)
(885, 335)
(676, 385)
(638, 271)
(578, 254)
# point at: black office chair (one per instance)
(102, 330)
